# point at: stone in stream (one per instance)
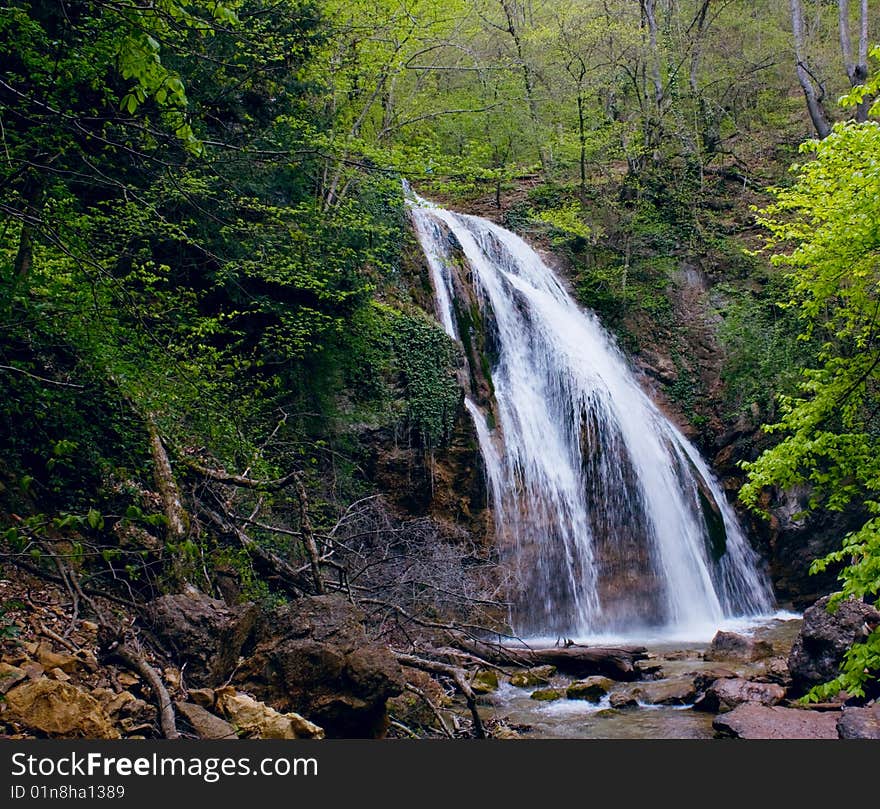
(824, 638)
(592, 689)
(546, 695)
(753, 721)
(485, 681)
(737, 648)
(725, 694)
(675, 691)
(860, 723)
(529, 678)
(624, 699)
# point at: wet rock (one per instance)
(591, 689)
(819, 648)
(726, 694)
(204, 723)
(704, 679)
(10, 676)
(546, 695)
(624, 699)
(649, 669)
(752, 721)
(203, 632)
(59, 710)
(860, 723)
(738, 648)
(531, 677)
(313, 657)
(258, 720)
(675, 691)
(485, 681)
(774, 670)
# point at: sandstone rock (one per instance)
(258, 720)
(58, 709)
(204, 723)
(33, 670)
(649, 669)
(725, 694)
(739, 648)
(824, 638)
(10, 676)
(860, 723)
(505, 732)
(313, 657)
(50, 659)
(58, 674)
(675, 691)
(591, 689)
(774, 670)
(485, 681)
(203, 632)
(531, 677)
(546, 695)
(127, 679)
(752, 721)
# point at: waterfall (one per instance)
(607, 517)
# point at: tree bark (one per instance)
(818, 114)
(175, 513)
(856, 65)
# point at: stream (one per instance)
(579, 719)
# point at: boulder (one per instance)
(50, 659)
(825, 636)
(202, 632)
(860, 723)
(59, 710)
(257, 720)
(725, 694)
(624, 699)
(751, 721)
(591, 689)
(313, 657)
(485, 681)
(529, 678)
(546, 695)
(204, 723)
(675, 691)
(737, 648)
(705, 678)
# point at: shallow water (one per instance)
(578, 719)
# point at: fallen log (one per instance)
(616, 662)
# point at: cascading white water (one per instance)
(608, 516)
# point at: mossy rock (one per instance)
(591, 689)
(485, 682)
(532, 677)
(546, 695)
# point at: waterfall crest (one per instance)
(608, 518)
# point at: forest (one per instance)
(244, 465)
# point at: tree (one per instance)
(824, 228)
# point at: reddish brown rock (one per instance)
(752, 721)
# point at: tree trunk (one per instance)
(175, 513)
(818, 114)
(856, 65)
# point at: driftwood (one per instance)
(616, 662)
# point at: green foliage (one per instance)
(426, 358)
(825, 229)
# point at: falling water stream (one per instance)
(610, 521)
